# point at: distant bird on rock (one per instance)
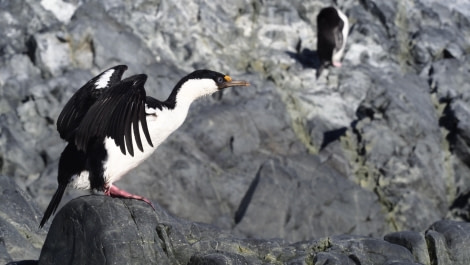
(107, 117)
(332, 33)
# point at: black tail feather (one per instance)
(53, 204)
(320, 69)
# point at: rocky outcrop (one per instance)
(103, 230)
(100, 229)
(376, 147)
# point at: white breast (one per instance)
(161, 123)
(160, 126)
(337, 55)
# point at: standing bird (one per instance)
(107, 117)
(332, 33)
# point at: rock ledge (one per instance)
(102, 230)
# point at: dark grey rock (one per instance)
(436, 242)
(415, 242)
(217, 258)
(93, 31)
(97, 239)
(274, 210)
(362, 250)
(23, 262)
(99, 229)
(401, 133)
(19, 235)
(447, 242)
(140, 232)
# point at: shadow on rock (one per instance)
(307, 58)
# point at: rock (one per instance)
(99, 229)
(292, 215)
(20, 20)
(52, 52)
(442, 243)
(446, 242)
(141, 233)
(415, 242)
(123, 230)
(92, 32)
(63, 11)
(23, 262)
(451, 87)
(217, 258)
(19, 234)
(361, 250)
(400, 132)
(103, 240)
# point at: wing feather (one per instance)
(117, 114)
(143, 120)
(127, 127)
(78, 105)
(136, 117)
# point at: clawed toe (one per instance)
(114, 191)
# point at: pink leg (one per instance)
(336, 64)
(114, 191)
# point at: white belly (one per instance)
(81, 181)
(117, 164)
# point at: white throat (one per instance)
(339, 53)
(194, 89)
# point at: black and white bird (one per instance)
(332, 33)
(111, 127)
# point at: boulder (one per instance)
(100, 229)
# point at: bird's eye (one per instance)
(220, 79)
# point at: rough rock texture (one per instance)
(378, 146)
(20, 238)
(87, 229)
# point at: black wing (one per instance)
(117, 114)
(78, 105)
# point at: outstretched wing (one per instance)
(117, 114)
(78, 105)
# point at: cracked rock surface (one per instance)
(103, 230)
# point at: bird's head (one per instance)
(201, 83)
